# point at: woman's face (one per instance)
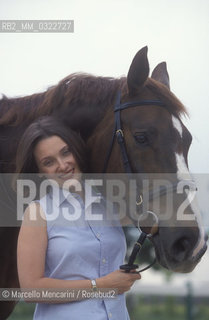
(53, 158)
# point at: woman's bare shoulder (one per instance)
(34, 215)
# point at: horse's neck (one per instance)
(84, 116)
(84, 101)
(11, 107)
(81, 104)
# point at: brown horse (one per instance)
(156, 141)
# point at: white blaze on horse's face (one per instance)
(177, 125)
(182, 169)
(182, 174)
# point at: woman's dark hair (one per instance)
(42, 128)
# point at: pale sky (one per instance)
(107, 36)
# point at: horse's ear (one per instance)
(138, 72)
(160, 74)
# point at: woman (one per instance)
(53, 254)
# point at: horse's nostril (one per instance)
(180, 249)
(206, 237)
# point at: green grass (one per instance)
(140, 308)
(169, 308)
(23, 311)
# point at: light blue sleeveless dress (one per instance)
(81, 249)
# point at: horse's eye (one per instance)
(141, 138)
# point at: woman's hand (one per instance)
(119, 280)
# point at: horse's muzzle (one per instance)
(177, 254)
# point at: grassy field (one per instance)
(23, 311)
(171, 308)
(139, 308)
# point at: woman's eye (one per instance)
(48, 163)
(66, 152)
(141, 138)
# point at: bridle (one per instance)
(119, 135)
(118, 132)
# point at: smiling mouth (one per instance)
(67, 175)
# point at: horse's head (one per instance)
(156, 142)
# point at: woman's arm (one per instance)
(31, 252)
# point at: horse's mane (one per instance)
(11, 109)
(172, 103)
(75, 89)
